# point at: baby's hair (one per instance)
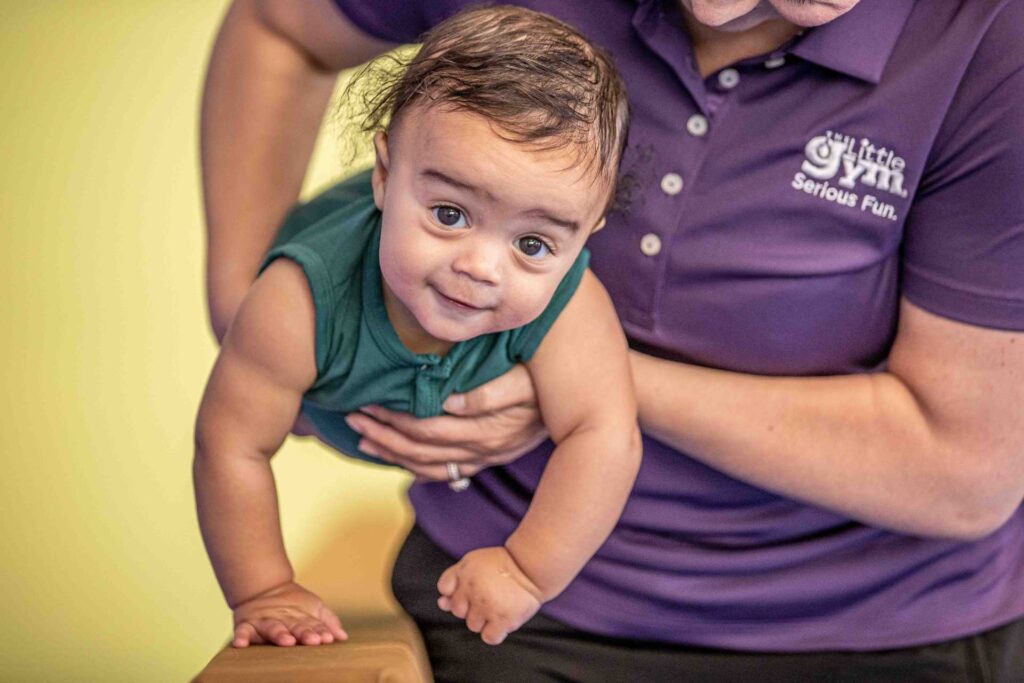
(540, 81)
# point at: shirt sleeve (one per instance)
(397, 21)
(524, 341)
(963, 251)
(319, 278)
(309, 237)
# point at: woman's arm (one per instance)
(271, 74)
(934, 446)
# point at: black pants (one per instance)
(547, 650)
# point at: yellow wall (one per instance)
(104, 351)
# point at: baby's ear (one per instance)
(380, 168)
(600, 224)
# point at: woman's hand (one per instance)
(491, 425)
(286, 615)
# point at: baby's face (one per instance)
(477, 231)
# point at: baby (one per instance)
(459, 256)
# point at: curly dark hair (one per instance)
(540, 81)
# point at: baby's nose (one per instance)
(481, 261)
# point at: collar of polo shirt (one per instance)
(859, 42)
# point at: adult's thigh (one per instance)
(546, 650)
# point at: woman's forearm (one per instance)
(262, 105)
(860, 445)
(238, 516)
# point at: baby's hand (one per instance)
(286, 615)
(489, 590)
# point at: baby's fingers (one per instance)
(475, 620)
(449, 580)
(276, 632)
(333, 623)
(493, 633)
(459, 605)
(311, 632)
(245, 633)
(446, 586)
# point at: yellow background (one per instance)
(105, 349)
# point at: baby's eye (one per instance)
(534, 247)
(449, 216)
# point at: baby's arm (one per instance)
(585, 390)
(251, 400)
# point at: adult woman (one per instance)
(819, 276)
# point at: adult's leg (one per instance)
(456, 653)
(546, 650)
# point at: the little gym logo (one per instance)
(835, 165)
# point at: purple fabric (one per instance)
(878, 156)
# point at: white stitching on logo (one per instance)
(858, 162)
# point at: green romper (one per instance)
(360, 360)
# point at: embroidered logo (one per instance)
(856, 163)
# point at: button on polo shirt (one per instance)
(697, 125)
(728, 78)
(650, 244)
(671, 184)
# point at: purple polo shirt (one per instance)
(783, 206)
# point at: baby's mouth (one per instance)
(460, 303)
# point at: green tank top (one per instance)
(335, 238)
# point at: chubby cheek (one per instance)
(398, 280)
(397, 273)
(405, 257)
(524, 304)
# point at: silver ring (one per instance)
(456, 482)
